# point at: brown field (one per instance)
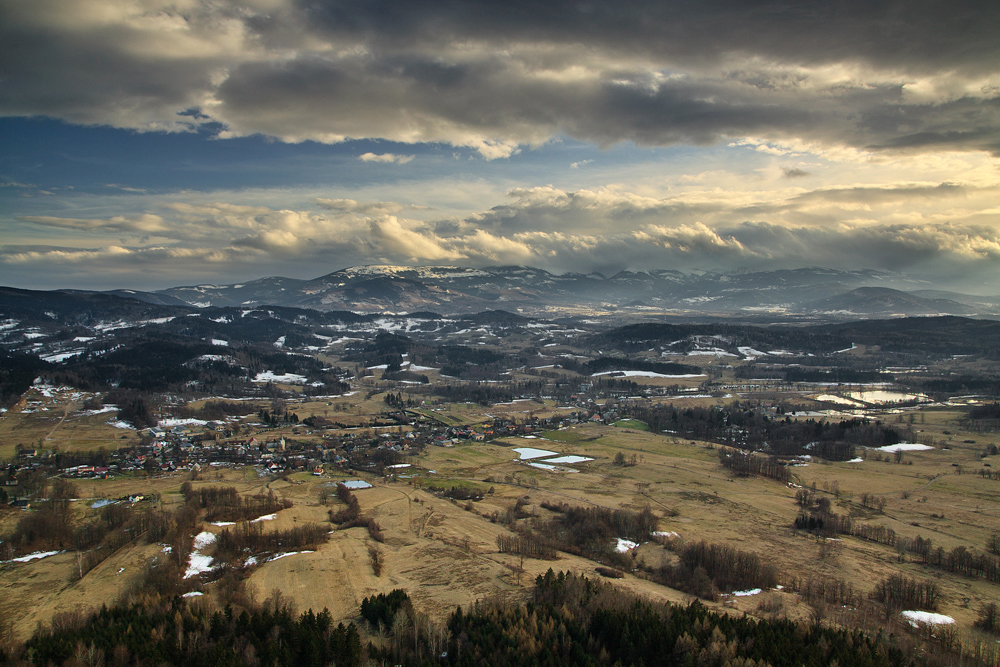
(57, 422)
(444, 553)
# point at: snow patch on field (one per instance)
(168, 423)
(743, 594)
(289, 553)
(35, 556)
(199, 563)
(106, 408)
(122, 324)
(916, 618)
(204, 539)
(61, 356)
(904, 447)
(646, 374)
(287, 378)
(356, 484)
(624, 546)
(266, 517)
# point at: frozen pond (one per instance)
(532, 453)
(883, 396)
(569, 459)
(356, 484)
(546, 466)
(839, 400)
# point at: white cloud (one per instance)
(391, 239)
(713, 221)
(387, 158)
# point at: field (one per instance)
(454, 486)
(444, 553)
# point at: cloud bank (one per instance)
(492, 76)
(942, 230)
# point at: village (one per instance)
(314, 445)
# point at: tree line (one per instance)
(745, 464)
(224, 503)
(351, 517)
(172, 632)
(959, 560)
(744, 426)
(575, 621)
(237, 544)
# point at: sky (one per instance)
(146, 144)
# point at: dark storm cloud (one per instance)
(494, 76)
(492, 97)
(922, 35)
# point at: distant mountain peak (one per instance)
(872, 300)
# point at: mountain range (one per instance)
(813, 294)
(818, 292)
